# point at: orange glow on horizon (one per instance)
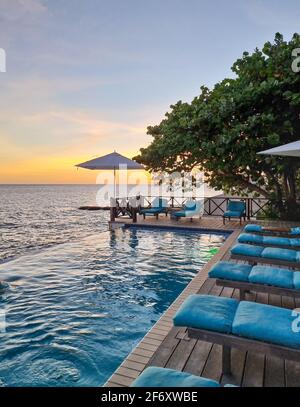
(60, 170)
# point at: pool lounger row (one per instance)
(162, 377)
(267, 279)
(267, 255)
(270, 241)
(271, 231)
(244, 325)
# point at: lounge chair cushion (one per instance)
(295, 242)
(276, 241)
(250, 238)
(180, 214)
(295, 231)
(190, 206)
(247, 250)
(253, 228)
(230, 271)
(207, 312)
(232, 214)
(272, 276)
(265, 323)
(152, 210)
(296, 280)
(279, 254)
(160, 377)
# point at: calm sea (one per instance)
(33, 217)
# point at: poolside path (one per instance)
(167, 346)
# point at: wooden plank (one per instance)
(274, 372)
(254, 370)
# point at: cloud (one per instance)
(14, 10)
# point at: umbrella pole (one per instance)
(114, 182)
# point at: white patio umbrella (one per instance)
(113, 161)
(289, 150)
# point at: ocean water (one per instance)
(77, 298)
(33, 217)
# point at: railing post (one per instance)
(134, 214)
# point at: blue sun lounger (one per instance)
(190, 210)
(272, 231)
(270, 241)
(162, 377)
(244, 325)
(264, 279)
(159, 205)
(268, 255)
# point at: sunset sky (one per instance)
(87, 77)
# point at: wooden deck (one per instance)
(167, 346)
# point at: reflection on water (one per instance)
(74, 311)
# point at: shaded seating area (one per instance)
(270, 241)
(272, 231)
(190, 210)
(267, 255)
(159, 205)
(244, 325)
(162, 377)
(235, 209)
(264, 279)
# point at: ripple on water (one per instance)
(54, 365)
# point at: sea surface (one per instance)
(33, 217)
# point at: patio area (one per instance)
(166, 346)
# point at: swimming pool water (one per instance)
(71, 313)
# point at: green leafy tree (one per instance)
(222, 130)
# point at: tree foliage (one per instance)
(222, 130)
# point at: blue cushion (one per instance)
(160, 377)
(253, 228)
(295, 242)
(190, 206)
(180, 214)
(272, 276)
(295, 231)
(247, 250)
(278, 241)
(230, 271)
(296, 277)
(250, 238)
(232, 214)
(207, 312)
(238, 206)
(151, 210)
(265, 323)
(279, 254)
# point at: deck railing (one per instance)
(129, 207)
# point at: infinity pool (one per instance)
(71, 314)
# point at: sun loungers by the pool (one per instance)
(264, 279)
(159, 205)
(272, 231)
(268, 255)
(270, 241)
(244, 325)
(162, 377)
(190, 210)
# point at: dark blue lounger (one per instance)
(269, 255)
(270, 241)
(258, 278)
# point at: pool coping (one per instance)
(139, 357)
